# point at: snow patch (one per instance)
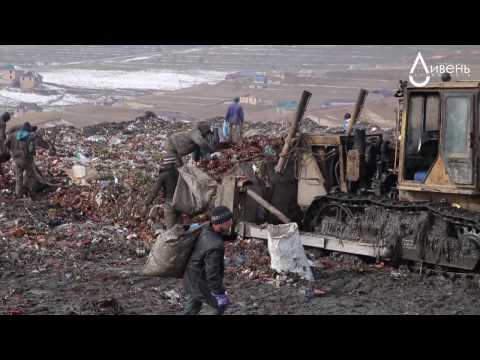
(140, 80)
(14, 97)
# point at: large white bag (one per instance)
(194, 190)
(286, 250)
(171, 251)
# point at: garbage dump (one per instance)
(82, 248)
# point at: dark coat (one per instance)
(21, 150)
(205, 268)
(184, 143)
(3, 130)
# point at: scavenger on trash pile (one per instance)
(22, 145)
(178, 145)
(203, 279)
(4, 155)
(346, 121)
(234, 119)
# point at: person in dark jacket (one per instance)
(4, 154)
(235, 118)
(203, 278)
(178, 145)
(22, 146)
(4, 119)
(184, 143)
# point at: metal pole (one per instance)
(397, 121)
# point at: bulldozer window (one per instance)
(423, 133)
(457, 129)
(456, 143)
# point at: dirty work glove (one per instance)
(222, 300)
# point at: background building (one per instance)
(9, 75)
(30, 80)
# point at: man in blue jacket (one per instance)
(235, 118)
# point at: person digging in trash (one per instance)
(178, 145)
(203, 278)
(22, 146)
(4, 119)
(234, 118)
(4, 154)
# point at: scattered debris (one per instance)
(85, 243)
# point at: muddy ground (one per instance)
(105, 278)
(81, 249)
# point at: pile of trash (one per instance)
(104, 172)
(250, 149)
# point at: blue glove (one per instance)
(194, 227)
(222, 300)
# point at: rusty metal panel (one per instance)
(467, 201)
(403, 136)
(353, 165)
(312, 139)
(311, 182)
(436, 189)
(447, 85)
(438, 175)
(226, 193)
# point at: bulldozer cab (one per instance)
(438, 144)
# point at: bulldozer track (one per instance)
(464, 222)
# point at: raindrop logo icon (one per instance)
(418, 60)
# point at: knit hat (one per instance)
(6, 116)
(221, 215)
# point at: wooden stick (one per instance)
(268, 206)
(302, 106)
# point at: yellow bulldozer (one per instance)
(412, 195)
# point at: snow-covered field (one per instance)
(67, 83)
(12, 97)
(134, 80)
